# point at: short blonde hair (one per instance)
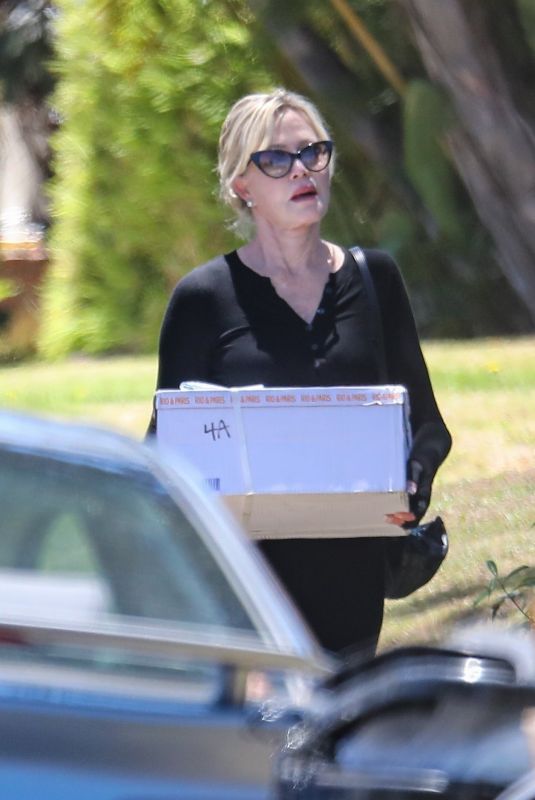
(249, 127)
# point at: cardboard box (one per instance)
(310, 462)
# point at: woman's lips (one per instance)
(306, 193)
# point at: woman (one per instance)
(288, 309)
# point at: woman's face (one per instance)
(297, 200)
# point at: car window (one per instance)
(81, 541)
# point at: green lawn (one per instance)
(485, 490)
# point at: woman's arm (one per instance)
(406, 365)
(185, 338)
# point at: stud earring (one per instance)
(249, 203)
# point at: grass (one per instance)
(489, 518)
(115, 392)
(484, 491)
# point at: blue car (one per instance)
(147, 653)
(145, 649)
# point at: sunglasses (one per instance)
(278, 163)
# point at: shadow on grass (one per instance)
(427, 601)
(459, 617)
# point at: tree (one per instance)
(143, 88)
(405, 193)
(479, 53)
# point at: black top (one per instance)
(225, 324)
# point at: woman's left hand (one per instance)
(419, 491)
(400, 518)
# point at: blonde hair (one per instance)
(249, 127)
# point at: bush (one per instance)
(144, 86)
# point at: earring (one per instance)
(249, 203)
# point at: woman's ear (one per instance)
(239, 185)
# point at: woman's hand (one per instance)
(400, 518)
(419, 491)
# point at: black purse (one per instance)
(411, 560)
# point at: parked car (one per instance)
(147, 653)
(447, 722)
(523, 789)
(140, 633)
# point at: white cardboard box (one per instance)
(304, 463)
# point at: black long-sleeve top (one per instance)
(226, 324)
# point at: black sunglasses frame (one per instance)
(256, 158)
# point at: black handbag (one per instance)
(413, 559)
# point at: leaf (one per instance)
(492, 568)
(517, 577)
(483, 595)
(516, 571)
(497, 605)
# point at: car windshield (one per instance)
(83, 542)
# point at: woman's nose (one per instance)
(298, 168)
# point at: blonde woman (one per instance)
(288, 309)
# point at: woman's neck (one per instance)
(289, 253)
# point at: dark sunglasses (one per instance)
(278, 163)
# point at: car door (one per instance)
(420, 722)
(130, 664)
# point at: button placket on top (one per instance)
(315, 329)
(313, 335)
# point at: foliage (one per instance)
(26, 33)
(8, 288)
(144, 86)
(526, 11)
(517, 588)
(396, 187)
(143, 89)
(426, 118)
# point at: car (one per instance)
(453, 721)
(141, 634)
(523, 789)
(148, 653)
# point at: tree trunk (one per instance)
(493, 145)
(321, 73)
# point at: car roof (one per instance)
(24, 431)
(68, 440)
